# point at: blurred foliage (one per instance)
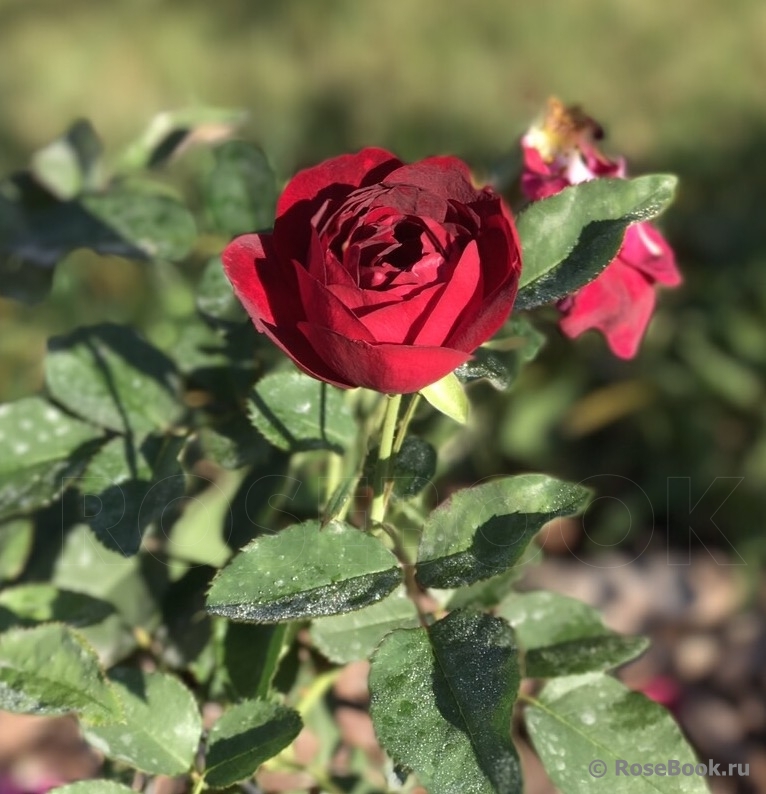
(679, 88)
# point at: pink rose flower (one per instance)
(559, 152)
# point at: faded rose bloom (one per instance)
(40, 785)
(559, 152)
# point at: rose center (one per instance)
(394, 250)
(409, 235)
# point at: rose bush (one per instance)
(376, 274)
(380, 274)
(561, 152)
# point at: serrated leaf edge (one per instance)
(634, 646)
(327, 592)
(85, 644)
(286, 709)
(187, 766)
(642, 213)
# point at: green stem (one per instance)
(406, 419)
(399, 440)
(199, 785)
(385, 459)
(333, 474)
(371, 421)
(316, 691)
(278, 646)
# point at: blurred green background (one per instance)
(679, 87)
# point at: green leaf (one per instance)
(563, 636)
(126, 489)
(135, 585)
(234, 443)
(50, 670)
(500, 361)
(240, 193)
(346, 638)
(304, 571)
(162, 724)
(569, 238)
(200, 534)
(70, 163)
(112, 639)
(40, 602)
(448, 396)
(342, 497)
(93, 787)
(251, 655)
(156, 225)
(583, 719)
(41, 451)
(414, 466)
(37, 230)
(520, 336)
(486, 364)
(16, 539)
(480, 532)
(297, 413)
(222, 364)
(442, 700)
(215, 297)
(185, 634)
(488, 593)
(169, 131)
(244, 737)
(111, 376)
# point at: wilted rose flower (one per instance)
(39, 784)
(562, 151)
(380, 274)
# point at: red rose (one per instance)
(619, 303)
(380, 274)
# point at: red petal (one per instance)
(323, 265)
(411, 199)
(538, 179)
(500, 255)
(448, 177)
(397, 321)
(536, 187)
(320, 306)
(266, 289)
(337, 176)
(457, 299)
(499, 244)
(533, 161)
(293, 342)
(645, 249)
(277, 296)
(619, 303)
(391, 369)
(239, 263)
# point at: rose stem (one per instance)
(399, 440)
(405, 423)
(370, 423)
(385, 458)
(333, 475)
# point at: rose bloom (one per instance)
(561, 152)
(380, 274)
